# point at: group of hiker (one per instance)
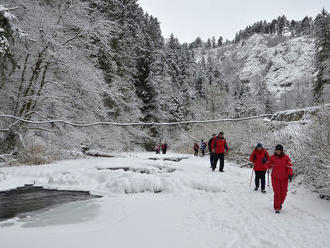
(217, 146)
(202, 147)
(161, 147)
(279, 163)
(282, 173)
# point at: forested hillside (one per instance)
(106, 60)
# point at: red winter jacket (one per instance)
(281, 165)
(219, 145)
(258, 157)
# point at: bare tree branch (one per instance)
(72, 38)
(42, 129)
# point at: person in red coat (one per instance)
(219, 148)
(260, 157)
(281, 174)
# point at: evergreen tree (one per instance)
(322, 46)
(195, 44)
(293, 27)
(220, 40)
(208, 43)
(306, 26)
(282, 23)
(214, 44)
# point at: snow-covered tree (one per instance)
(220, 41)
(322, 46)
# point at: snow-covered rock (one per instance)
(298, 114)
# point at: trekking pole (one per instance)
(251, 178)
(268, 179)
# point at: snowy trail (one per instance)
(196, 208)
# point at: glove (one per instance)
(290, 178)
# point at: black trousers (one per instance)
(221, 157)
(212, 156)
(260, 176)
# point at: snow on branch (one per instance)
(73, 37)
(2, 9)
(79, 124)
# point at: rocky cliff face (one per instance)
(282, 67)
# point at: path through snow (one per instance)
(195, 208)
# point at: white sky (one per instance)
(188, 19)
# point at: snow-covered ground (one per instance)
(193, 207)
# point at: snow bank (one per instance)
(95, 175)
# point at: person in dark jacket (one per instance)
(260, 157)
(196, 148)
(282, 173)
(220, 148)
(210, 149)
(203, 147)
(157, 149)
(164, 148)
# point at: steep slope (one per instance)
(282, 67)
(71, 64)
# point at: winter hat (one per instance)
(279, 148)
(259, 145)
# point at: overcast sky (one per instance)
(188, 19)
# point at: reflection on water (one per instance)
(70, 213)
(22, 201)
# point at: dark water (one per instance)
(141, 170)
(137, 170)
(31, 198)
(169, 159)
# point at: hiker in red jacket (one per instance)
(219, 148)
(281, 175)
(260, 157)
